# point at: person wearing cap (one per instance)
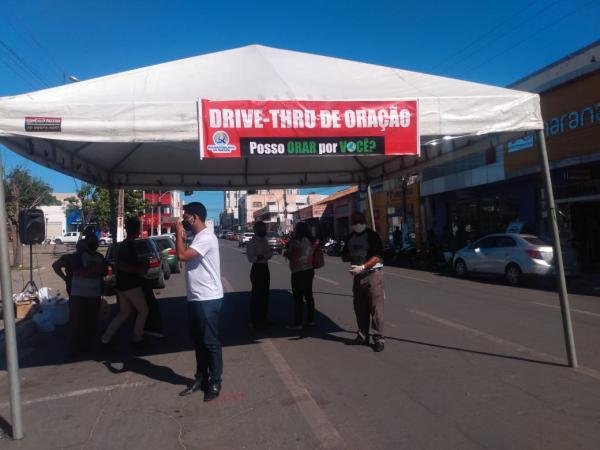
(204, 298)
(364, 251)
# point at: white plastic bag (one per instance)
(43, 321)
(43, 295)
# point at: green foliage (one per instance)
(24, 192)
(94, 204)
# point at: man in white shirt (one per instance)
(204, 298)
(259, 253)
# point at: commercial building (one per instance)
(164, 209)
(275, 207)
(481, 185)
(229, 217)
(330, 216)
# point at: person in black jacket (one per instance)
(364, 251)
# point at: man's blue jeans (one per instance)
(204, 327)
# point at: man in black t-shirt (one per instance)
(364, 251)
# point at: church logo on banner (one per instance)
(221, 143)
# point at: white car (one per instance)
(67, 238)
(244, 239)
(511, 255)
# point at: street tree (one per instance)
(93, 204)
(23, 191)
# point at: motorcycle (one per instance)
(333, 247)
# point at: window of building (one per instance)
(256, 204)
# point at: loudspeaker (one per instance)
(32, 226)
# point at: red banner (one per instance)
(238, 128)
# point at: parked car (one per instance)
(244, 239)
(148, 253)
(105, 240)
(230, 235)
(511, 255)
(167, 246)
(275, 242)
(67, 238)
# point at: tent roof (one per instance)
(139, 128)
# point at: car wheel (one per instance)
(513, 274)
(460, 268)
(176, 268)
(102, 242)
(57, 241)
(167, 271)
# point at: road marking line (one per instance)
(275, 262)
(580, 311)
(316, 418)
(81, 392)
(407, 277)
(327, 280)
(226, 284)
(498, 340)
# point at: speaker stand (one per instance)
(30, 287)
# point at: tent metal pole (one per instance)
(113, 213)
(8, 312)
(558, 259)
(370, 197)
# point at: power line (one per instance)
(19, 74)
(20, 25)
(486, 43)
(531, 36)
(487, 33)
(24, 63)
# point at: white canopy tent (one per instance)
(139, 129)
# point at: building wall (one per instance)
(571, 115)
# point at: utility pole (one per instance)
(159, 229)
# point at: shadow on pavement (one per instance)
(48, 349)
(477, 352)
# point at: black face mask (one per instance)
(186, 225)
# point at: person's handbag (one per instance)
(318, 258)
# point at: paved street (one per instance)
(468, 364)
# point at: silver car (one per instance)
(511, 255)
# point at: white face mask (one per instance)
(359, 227)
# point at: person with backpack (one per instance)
(259, 253)
(300, 253)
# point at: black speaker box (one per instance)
(32, 226)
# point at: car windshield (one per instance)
(272, 235)
(164, 244)
(248, 234)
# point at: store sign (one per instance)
(234, 129)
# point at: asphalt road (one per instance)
(468, 364)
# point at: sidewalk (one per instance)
(43, 276)
(121, 400)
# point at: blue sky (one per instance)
(491, 42)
